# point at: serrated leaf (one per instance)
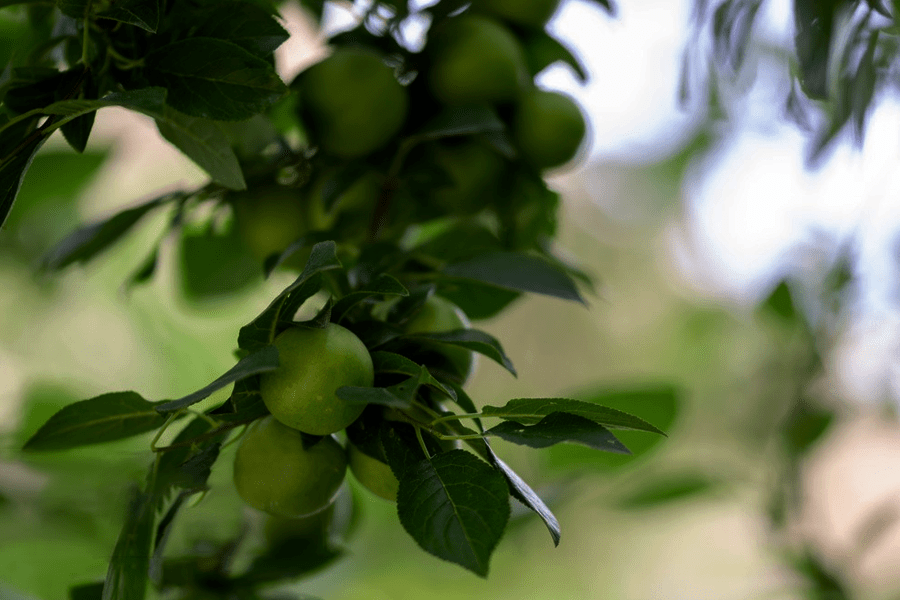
(530, 411)
(383, 285)
(106, 418)
(126, 577)
(149, 101)
(204, 142)
(517, 272)
(456, 507)
(461, 120)
(389, 362)
(280, 312)
(263, 360)
(84, 244)
(472, 339)
(522, 492)
(214, 79)
(249, 26)
(140, 13)
(400, 395)
(559, 427)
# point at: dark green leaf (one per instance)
(472, 339)
(163, 531)
(478, 300)
(559, 427)
(384, 285)
(109, 417)
(389, 362)
(543, 50)
(149, 101)
(215, 265)
(214, 79)
(400, 395)
(805, 425)
(204, 142)
(522, 492)
(263, 360)
(465, 120)
(530, 411)
(518, 272)
(456, 507)
(863, 89)
(86, 591)
(144, 272)
(141, 13)
(813, 28)
(280, 312)
(126, 578)
(249, 26)
(78, 130)
(666, 489)
(781, 303)
(12, 171)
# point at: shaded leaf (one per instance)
(383, 285)
(662, 490)
(214, 79)
(109, 417)
(249, 26)
(530, 411)
(522, 492)
(204, 142)
(518, 272)
(280, 312)
(456, 507)
(472, 339)
(126, 578)
(389, 362)
(543, 50)
(86, 591)
(261, 361)
(84, 244)
(557, 428)
(461, 120)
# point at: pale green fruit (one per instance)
(269, 219)
(274, 473)
(373, 474)
(475, 59)
(439, 315)
(531, 13)
(354, 103)
(314, 364)
(548, 128)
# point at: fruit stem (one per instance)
(455, 417)
(162, 430)
(422, 442)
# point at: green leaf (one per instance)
(261, 361)
(280, 312)
(126, 578)
(543, 50)
(456, 507)
(471, 339)
(522, 492)
(248, 25)
(77, 131)
(559, 427)
(214, 79)
(530, 411)
(205, 143)
(517, 272)
(389, 362)
(215, 265)
(461, 120)
(663, 490)
(84, 244)
(109, 417)
(12, 171)
(383, 285)
(478, 300)
(149, 101)
(86, 591)
(140, 13)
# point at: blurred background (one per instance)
(763, 291)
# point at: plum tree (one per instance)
(274, 471)
(315, 362)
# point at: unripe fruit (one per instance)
(530, 13)
(314, 364)
(439, 315)
(269, 219)
(475, 59)
(274, 473)
(373, 474)
(548, 128)
(354, 103)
